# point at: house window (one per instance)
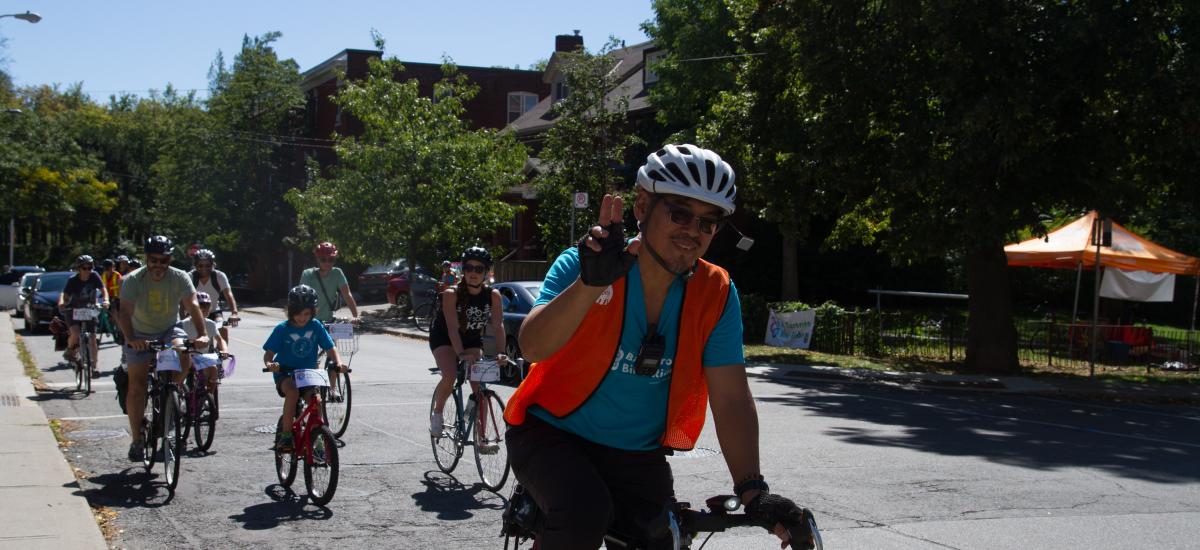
(514, 234)
(561, 90)
(520, 103)
(652, 57)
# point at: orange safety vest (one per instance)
(112, 281)
(562, 382)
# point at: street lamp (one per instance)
(12, 240)
(27, 16)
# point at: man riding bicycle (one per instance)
(83, 289)
(628, 348)
(330, 283)
(207, 278)
(151, 298)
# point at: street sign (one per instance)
(580, 200)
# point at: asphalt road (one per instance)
(883, 467)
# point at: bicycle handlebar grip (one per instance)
(265, 369)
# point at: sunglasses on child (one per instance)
(683, 217)
(475, 268)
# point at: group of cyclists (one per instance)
(630, 340)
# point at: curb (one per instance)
(39, 496)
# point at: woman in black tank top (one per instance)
(457, 331)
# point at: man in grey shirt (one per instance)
(151, 297)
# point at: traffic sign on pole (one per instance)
(581, 200)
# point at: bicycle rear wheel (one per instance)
(285, 462)
(491, 454)
(448, 445)
(335, 402)
(423, 316)
(149, 443)
(173, 442)
(321, 471)
(150, 426)
(205, 418)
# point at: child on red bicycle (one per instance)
(295, 344)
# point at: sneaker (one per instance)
(284, 445)
(95, 373)
(435, 424)
(489, 447)
(136, 452)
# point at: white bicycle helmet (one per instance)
(692, 172)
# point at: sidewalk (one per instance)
(37, 487)
(1061, 387)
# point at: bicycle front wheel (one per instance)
(336, 402)
(423, 316)
(285, 461)
(87, 362)
(448, 444)
(321, 466)
(205, 418)
(491, 454)
(172, 436)
(79, 375)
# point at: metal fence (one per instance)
(1050, 343)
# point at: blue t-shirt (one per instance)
(628, 410)
(297, 348)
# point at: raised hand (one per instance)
(603, 255)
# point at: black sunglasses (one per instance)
(152, 260)
(683, 217)
(475, 268)
(85, 266)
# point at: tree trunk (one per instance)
(789, 287)
(991, 336)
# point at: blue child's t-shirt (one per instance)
(628, 410)
(298, 348)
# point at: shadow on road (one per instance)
(452, 501)
(285, 506)
(56, 394)
(130, 488)
(1023, 431)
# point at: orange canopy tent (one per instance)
(1069, 247)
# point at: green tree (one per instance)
(730, 88)
(585, 146)
(223, 172)
(418, 179)
(947, 131)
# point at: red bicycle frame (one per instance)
(308, 420)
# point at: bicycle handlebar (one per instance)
(803, 533)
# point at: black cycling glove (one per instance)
(768, 510)
(612, 262)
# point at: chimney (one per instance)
(568, 42)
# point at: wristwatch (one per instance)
(751, 482)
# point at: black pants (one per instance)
(584, 488)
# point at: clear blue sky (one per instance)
(139, 45)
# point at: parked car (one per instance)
(15, 273)
(10, 284)
(373, 283)
(42, 304)
(517, 298)
(401, 283)
(25, 291)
